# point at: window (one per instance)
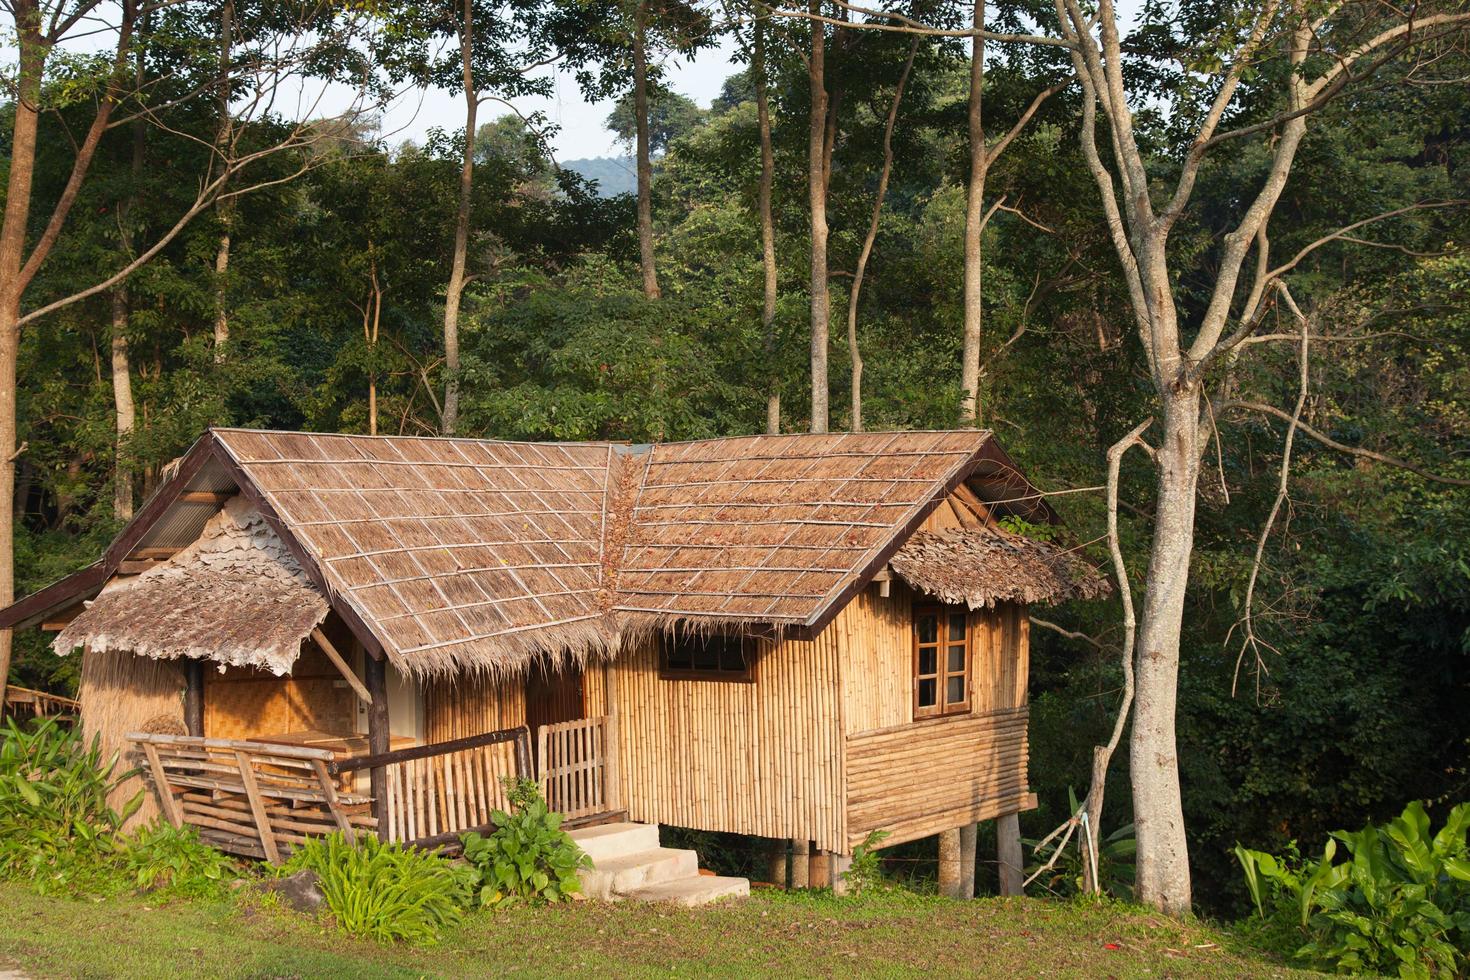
(941, 661)
(705, 656)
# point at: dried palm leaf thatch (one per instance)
(983, 566)
(771, 529)
(461, 554)
(121, 693)
(235, 596)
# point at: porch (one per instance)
(261, 797)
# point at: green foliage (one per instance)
(528, 858)
(866, 873)
(385, 891)
(161, 857)
(1115, 861)
(1399, 902)
(56, 828)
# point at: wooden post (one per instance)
(967, 860)
(776, 861)
(1008, 850)
(840, 864)
(194, 698)
(375, 676)
(800, 863)
(819, 874)
(949, 863)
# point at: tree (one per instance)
(302, 39)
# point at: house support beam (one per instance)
(375, 676)
(800, 863)
(194, 698)
(1008, 851)
(325, 645)
(967, 860)
(776, 849)
(840, 865)
(949, 864)
(820, 873)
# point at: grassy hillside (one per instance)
(773, 933)
(614, 175)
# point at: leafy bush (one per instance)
(384, 890)
(1400, 902)
(865, 874)
(56, 827)
(528, 857)
(161, 857)
(1116, 854)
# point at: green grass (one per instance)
(771, 934)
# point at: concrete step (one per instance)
(697, 890)
(615, 876)
(613, 840)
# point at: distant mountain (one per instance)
(614, 175)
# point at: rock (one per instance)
(299, 891)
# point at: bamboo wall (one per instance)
(760, 758)
(462, 706)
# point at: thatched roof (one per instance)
(235, 596)
(457, 553)
(771, 529)
(980, 567)
(460, 554)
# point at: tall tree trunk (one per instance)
(371, 320)
(122, 399)
(817, 194)
(455, 289)
(223, 209)
(974, 228)
(1163, 857)
(768, 230)
(644, 162)
(32, 58)
(869, 239)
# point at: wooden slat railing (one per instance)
(578, 766)
(25, 702)
(437, 792)
(249, 798)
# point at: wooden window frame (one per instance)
(747, 656)
(941, 708)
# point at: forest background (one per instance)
(328, 312)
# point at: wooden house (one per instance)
(800, 637)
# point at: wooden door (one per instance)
(553, 696)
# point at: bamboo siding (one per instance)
(916, 780)
(472, 705)
(877, 660)
(761, 758)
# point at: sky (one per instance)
(580, 131)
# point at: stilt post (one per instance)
(194, 698)
(800, 863)
(949, 863)
(967, 860)
(375, 676)
(1008, 851)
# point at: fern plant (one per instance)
(385, 891)
(528, 857)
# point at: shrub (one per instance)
(865, 874)
(161, 857)
(56, 827)
(384, 890)
(1399, 903)
(528, 857)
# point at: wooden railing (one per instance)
(24, 702)
(249, 798)
(436, 792)
(578, 766)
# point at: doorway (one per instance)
(552, 696)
